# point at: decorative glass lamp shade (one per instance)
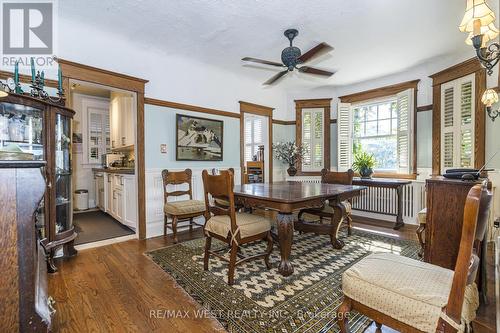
(489, 32)
(477, 14)
(490, 97)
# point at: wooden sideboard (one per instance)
(445, 211)
(25, 305)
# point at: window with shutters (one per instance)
(254, 134)
(313, 139)
(99, 141)
(457, 123)
(380, 127)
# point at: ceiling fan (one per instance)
(292, 56)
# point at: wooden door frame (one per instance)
(75, 71)
(471, 66)
(261, 110)
(321, 103)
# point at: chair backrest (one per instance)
(217, 171)
(331, 177)
(177, 178)
(464, 264)
(220, 187)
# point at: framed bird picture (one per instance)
(198, 139)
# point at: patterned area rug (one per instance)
(262, 300)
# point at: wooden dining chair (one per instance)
(221, 202)
(233, 228)
(180, 210)
(326, 212)
(413, 296)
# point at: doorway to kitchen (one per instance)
(103, 161)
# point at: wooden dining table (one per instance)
(288, 197)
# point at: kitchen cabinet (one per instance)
(99, 186)
(120, 197)
(122, 120)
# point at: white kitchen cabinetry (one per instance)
(120, 198)
(122, 120)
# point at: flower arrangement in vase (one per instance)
(289, 153)
(364, 163)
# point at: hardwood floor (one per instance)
(115, 288)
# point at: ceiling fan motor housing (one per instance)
(289, 57)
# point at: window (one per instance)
(375, 129)
(457, 123)
(313, 139)
(383, 128)
(99, 141)
(254, 134)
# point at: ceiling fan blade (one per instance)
(315, 52)
(265, 62)
(275, 78)
(312, 70)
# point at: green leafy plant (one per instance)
(364, 163)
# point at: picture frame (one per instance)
(198, 139)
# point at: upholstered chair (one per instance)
(414, 296)
(183, 209)
(327, 212)
(229, 226)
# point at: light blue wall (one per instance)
(282, 133)
(493, 139)
(424, 139)
(160, 129)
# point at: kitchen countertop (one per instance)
(123, 171)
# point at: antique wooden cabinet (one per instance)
(25, 305)
(43, 130)
(445, 211)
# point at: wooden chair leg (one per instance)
(343, 315)
(165, 221)
(191, 224)
(379, 327)
(269, 239)
(208, 244)
(349, 224)
(420, 231)
(174, 228)
(232, 264)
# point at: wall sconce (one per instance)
(490, 97)
(478, 21)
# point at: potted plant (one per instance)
(364, 163)
(289, 153)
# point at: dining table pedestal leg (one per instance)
(285, 238)
(338, 216)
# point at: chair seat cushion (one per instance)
(222, 202)
(328, 210)
(405, 289)
(248, 225)
(184, 207)
(422, 216)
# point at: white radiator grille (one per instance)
(380, 200)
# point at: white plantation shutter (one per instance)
(344, 136)
(406, 112)
(457, 123)
(254, 135)
(313, 139)
(98, 134)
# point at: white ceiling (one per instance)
(372, 38)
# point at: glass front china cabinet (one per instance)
(32, 129)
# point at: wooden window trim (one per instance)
(325, 104)
(380, 92)
(471, 66)
(261, 110)
(391, 90)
